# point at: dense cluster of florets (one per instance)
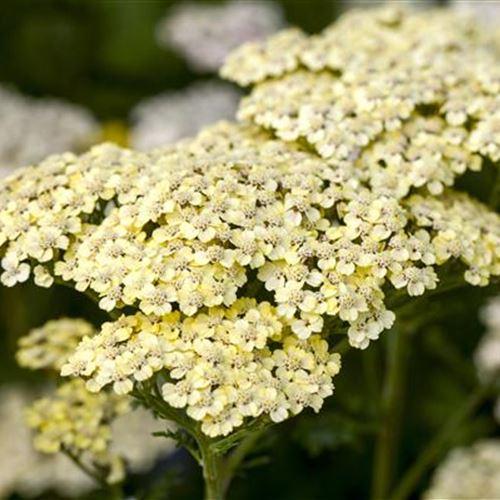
(409, 99)
(224, 366)
(468, 473)
(27, 472)
(77, 422)
(185, 227)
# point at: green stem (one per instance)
(115, 491)
(438, 444)
(371, 370)
(235, 459)
(494, 201)
(212, 465)
(388, 436)
(86, 469)
(342, 347)
(218, 469)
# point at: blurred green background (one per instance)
(103, 53)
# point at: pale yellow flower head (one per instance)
(78, 423)
(411, 98)
(225, 366)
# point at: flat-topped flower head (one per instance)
(184, 228)
(170, 116)
(235, 254)
(204, 33)
(27, 472)
(224, 366)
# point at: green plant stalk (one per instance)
(494, 200)
(372, 375)
(212, 465)
(235, 459)
(86, 469)
(219, 467)
(387, 440)
(436, 447)
(114, 490)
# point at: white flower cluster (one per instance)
(487, 355)
(230, 364)
(468, 473)
(204, 33)
(29, 473)
(35, 128)
(183, 226)
(171, 116)
(487, 11)
(410, 98)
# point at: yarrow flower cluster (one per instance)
(78, 423)
(34, 128)
(205, 33)
(236, 245)
(183, 226)
(409, 98)
(171, 116)
(103, 431)
(468, 473)
(226, 365)
(23, 470)
(50, 345)
(91, 428)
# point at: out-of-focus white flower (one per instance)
(472, 473)
(22, 469)
(29, 473)
(170, 116)
(31, 129)
(487, 11)
(205, 34)
(487, 356)
(363, 4)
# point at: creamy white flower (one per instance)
(171, 116)
(205, 33)
(468, 473)
(35, 128)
